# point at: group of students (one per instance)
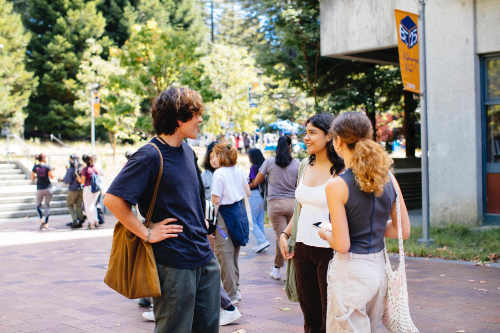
(80, 190)
(344, 188)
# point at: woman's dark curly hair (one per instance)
(173, 105)
(324, 121)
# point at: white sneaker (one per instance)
(227, 317)
(149, 315)
(234, 301)
(255, 248)
(275, 273)
(262, 247)
(238, 295)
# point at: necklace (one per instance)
(161, 139)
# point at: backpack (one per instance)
(95, 183)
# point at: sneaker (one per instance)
(144, 302)
(275, 273)
(262, 247)
(149, 315)
(238, 295)
(255, 248)
(234, 301)
(227, 317)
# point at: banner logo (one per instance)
(408, 32)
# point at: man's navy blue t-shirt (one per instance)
(178, 197)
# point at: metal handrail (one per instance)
(53, 137)
(28, 151)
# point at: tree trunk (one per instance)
(372, 115)
(409, 123)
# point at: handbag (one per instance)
(291, 280)
(396, 312)
(132, 268)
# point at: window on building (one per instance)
(492, 131)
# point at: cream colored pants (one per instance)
(357, 284)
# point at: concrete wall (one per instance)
(454, 121)
(350, 26)
(488, 26)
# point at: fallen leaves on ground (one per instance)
(442, 249)
(285, 309)
(460, 331)
(483, 290)
(482, 281)
(493, 256)
(243, 254)
(278, 298)
(240, 331)
(442, 275)
(472, 280)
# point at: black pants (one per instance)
(311, 268)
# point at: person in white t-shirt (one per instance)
(229, 188)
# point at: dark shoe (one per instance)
(90, 228)
(69, 224)
(76, 225)
(144, 302)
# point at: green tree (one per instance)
(58, 41)
(231, 71)
(16, 83)
(159, 58)
(120, 105)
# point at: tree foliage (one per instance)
(16, 83)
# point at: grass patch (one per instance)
(453, 242)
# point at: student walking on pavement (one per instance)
(282, 172)
(89, 197)
(99, 206)
(75, 193)
(256, 200)
(229, 188)
(361, 200)
(43, 174)
(187, 268)
(311, 254)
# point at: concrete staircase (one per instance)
(18, 195)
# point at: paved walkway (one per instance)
(52, 282)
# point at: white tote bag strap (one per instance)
(400, 228)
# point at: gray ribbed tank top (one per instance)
(367, 215)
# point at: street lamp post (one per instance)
(425, 240)
(93, 89)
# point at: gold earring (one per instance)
(339, 148)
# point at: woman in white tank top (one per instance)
(312, 254)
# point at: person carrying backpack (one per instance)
(91, 190)
(43, 173)
(75, 192)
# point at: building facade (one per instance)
(463, 89)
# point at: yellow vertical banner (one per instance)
(407, 26)
(97, 104)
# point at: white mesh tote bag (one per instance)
(396, 314)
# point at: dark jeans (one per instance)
(311, 269)
(190, 299)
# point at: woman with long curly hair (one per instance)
(311, 254)
(360, 201)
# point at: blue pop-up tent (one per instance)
(286, 126)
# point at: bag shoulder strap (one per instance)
(400, 230)
(296, 208)
(153, 200)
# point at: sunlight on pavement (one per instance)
(10, 237)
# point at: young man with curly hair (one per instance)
(188, 270)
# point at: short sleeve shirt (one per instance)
(228, 184)
(42, 176)
(254, 169)
(88, 172)
(178, 197)
(281, 181)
